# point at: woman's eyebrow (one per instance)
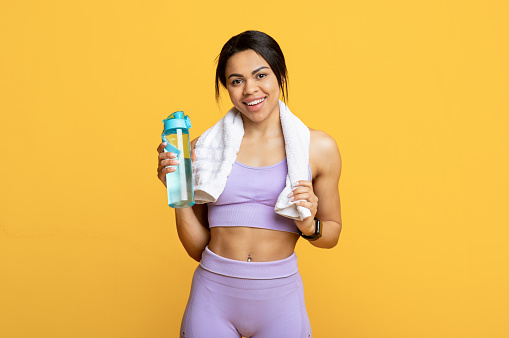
(252, 73)
(258, 69)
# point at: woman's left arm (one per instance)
(322, 195)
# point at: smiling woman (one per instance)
(263, 45)
(255, 93)
(248, 282)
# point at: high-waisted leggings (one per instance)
(232, 299)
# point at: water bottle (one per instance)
(180, 182)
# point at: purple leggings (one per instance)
(232, 298)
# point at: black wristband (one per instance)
(317, 234)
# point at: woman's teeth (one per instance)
(252, 103)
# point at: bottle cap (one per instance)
(177, 120)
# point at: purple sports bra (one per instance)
(249, 197)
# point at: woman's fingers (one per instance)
(161, 147)
(166, 162)
(303, 184)
(166, 159)
(167, 170)
(167, 165)
(306, 204)
(165, 156)
(304, 190)
(300, 190)
(302, 196)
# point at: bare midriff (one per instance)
(252, 244)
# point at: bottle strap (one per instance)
(170, 148)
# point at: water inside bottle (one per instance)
(180, 183)
(175, 187)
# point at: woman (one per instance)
(247, 282)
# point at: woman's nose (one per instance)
(250, 87)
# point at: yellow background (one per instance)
(415, 93)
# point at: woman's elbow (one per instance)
(337, 233)
(195, 254)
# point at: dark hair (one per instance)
(262, 44)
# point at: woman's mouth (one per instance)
(255, 104)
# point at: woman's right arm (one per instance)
(192, 223)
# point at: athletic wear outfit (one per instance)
(231, 298)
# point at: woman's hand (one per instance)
(305, 196)
(167, 162)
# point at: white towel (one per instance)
(216, 152)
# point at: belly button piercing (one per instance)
(249, 258)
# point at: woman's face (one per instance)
(252, 85)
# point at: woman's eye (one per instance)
(261, 75)
(236, 82)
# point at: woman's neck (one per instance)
(270, 127)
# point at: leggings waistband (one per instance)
(249, 270)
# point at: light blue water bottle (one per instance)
(180, 182)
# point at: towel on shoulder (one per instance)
(216, 152)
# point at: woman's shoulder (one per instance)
(322, 142)
(323, 146)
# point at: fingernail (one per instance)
(296, 183)
(164, 144)
(290, 194)
(173, 155)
